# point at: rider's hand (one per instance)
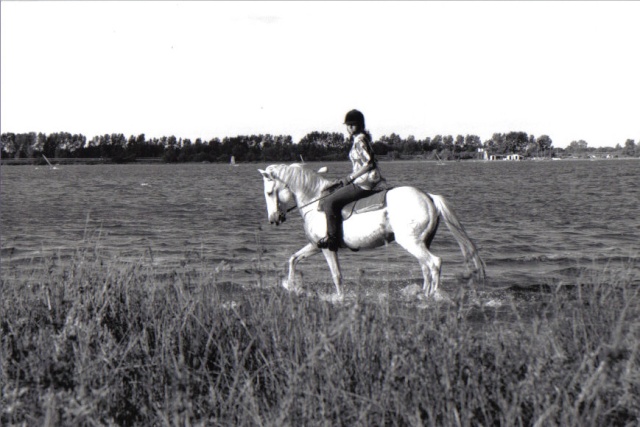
(338, 183)
(344, 182)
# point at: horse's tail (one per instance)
(467, 247)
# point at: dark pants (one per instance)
(333, 204)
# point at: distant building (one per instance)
(516, 157)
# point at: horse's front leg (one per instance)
(334, 266)
(303, 253)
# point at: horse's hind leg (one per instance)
(429, 263)
(414, 220)
(434, 265)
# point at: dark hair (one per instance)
(367, 135)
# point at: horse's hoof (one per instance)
(440, 296)
(291, 286)
(337, 298)
(333, 298)
(411, 291)
(285, 284)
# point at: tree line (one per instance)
(314, 146)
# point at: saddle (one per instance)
(370, 203)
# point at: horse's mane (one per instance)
(298, 177)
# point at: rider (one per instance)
(360, 183)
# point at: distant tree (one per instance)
(319, 145)
(268, 148)
(629, 148)
(427, 145)
(136, 145)
(496, 144)
(447, 143)
(118, 146)
(458, 144)
(288, 152)
(410, 146)
(254, 152)
(577, 147)
(171, 149)
(76, 145)
(331, 141)
(50, 145)
(39, 144)
(233, 146)
(380, 148)
(472, 143)
(281, 148)
(516, 142)
(25, 143)
(311, 146)
(214, 148)
(544, 143)
(393, 141)
(436, 143)
(7, 147)
(105, 145)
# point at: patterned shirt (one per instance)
(361, 154)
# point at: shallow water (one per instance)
(535, 223)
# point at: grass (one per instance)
(106, 343)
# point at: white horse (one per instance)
(410, 217)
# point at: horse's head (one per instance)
(276, 194)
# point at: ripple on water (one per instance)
(535, 223)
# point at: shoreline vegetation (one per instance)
(59, 161)
(100, 342)
(72, 161)
(66, 148)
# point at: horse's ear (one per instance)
(264, 173)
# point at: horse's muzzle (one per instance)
(280, 217)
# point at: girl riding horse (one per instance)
(360, 183)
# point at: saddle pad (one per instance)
(368, 204)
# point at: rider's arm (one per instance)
(364, 169)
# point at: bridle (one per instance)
(295, 206)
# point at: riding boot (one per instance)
(332, 240)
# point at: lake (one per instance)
(535, 223)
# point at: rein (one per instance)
(330, 189)
(310, 203)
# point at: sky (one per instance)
(203, 69)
